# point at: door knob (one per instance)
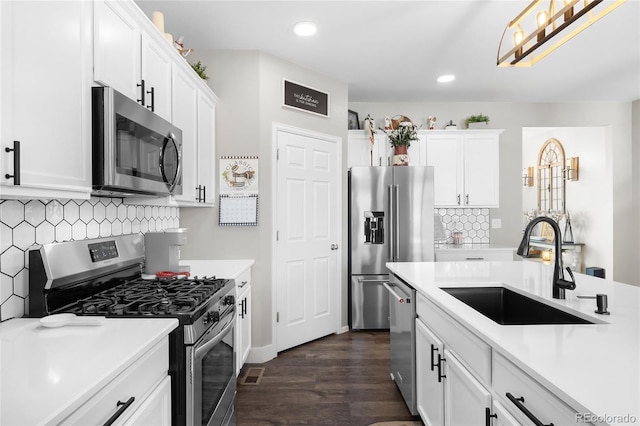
(334, 247)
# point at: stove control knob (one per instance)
(229, 300)
(211, 317)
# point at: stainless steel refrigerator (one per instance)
(390, 220)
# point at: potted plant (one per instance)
(479, 121)
(400, 138)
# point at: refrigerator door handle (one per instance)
(396, 232)
(391, 227)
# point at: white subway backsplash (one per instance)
(24, 223)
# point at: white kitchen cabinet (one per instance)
(501, 417)
(509, 380)
(466, 400)
(45, 88)
(448, 393)
(131, 56)
(429, 387)
(466, 167)
(206, 168)
(194, 111)
(360, 153)
(141, 392)
(243, 323)
(156, 74)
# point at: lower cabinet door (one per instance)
(156, 409)
(466, 400)
(502, 417)
(429, 389)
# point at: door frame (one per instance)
(277, 127)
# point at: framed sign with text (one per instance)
(305, 98)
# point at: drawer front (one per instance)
(137, 381)
(545, 406)
(451, 255)
(473, 352)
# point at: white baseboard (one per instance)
(262, 354)
(344, 329)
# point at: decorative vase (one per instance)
(400, 156)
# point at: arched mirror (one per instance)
(551, 183)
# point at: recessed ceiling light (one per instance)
(305, 29)
(447, 78)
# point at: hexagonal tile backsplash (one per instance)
(25, 223)
(474, 224)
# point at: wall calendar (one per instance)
(238, 198)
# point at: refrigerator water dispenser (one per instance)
(374, 227)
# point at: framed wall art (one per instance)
(305, 98)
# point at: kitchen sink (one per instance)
(507, 307)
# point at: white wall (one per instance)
(249, 85)
(588, 200)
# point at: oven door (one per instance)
(211, 387)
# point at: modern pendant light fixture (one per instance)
(543, 20)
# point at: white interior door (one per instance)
(306, 220)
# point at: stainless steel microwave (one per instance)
(135, 152)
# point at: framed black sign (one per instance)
(305, 98)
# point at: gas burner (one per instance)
(159, 296)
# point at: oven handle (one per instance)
(202, 349)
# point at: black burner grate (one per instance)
(161, 296)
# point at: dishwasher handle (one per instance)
(396, 296)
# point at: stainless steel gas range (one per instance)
(104, 277)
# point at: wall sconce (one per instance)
(527, 176)
(548, 18)
(572, 168)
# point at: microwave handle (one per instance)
(171, 137)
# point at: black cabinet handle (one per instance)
(198, 194)
(433, 349)
(440, 375)
(123, 406)
(488, 416)
(142, 92)
(204, 194)
(152, 92)
(244, 307)
(16, 163)
(519, 402)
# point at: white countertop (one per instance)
(594, 368)
(231, 268)
(47, 373)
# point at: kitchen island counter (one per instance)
(594, 367)
(48, 373)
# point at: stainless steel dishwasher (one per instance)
(402, 318)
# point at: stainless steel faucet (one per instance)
(559, 282)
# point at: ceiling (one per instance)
(393, 51)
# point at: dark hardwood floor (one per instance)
(337, 380)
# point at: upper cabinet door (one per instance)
(444, 153)
(156, 73)
(45, 81)
(116, 49)
(184, 99)
(207, 146)
(481, 171)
